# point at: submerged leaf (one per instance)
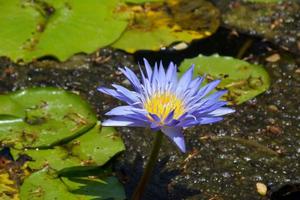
(277, 22)
(157, 25)
(264, 1)
(31, 29)
(243, 80)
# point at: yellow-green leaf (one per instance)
(158, 24)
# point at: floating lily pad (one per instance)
(57, 158)
(48, 117)
(44, 185)
(158, 24)
(141, 1)
(242, 79)
(96, 147)
(93, 148)
(10, 108)
(31, 29)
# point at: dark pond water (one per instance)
(259, 143)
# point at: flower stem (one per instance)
(139, 190)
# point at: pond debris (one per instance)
(12, 174)
(244, 48)
(261, 188)
(273, 58)
(249, 143)
(273, 108)
(274, 129)
(190, 156)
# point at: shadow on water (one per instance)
(286, 192)
(159, 187)
(223, 42)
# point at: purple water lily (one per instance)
(164, 102)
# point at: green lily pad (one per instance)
(243, 80)
(57, 158)
(44, 185)
(93, 148)
(31, 29)
(159, 24)
(96, 146)
(11, 109)
(49, 117)
(142, 1)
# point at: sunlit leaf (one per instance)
(10, 108)
(142, 1)
(49, 117)
(157, 25)
(93, 148)
(31, 29)
(97, 146)
(57, 158)
(243, 80)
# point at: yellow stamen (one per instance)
(163, 104)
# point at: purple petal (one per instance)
(176, 136)
(191, 91)
(216, 95)
(131, 95)
(126, 110)
(207, 88)
(222, 111)
(209, 120)
(108, 91)
(132, 78)
(161, 71)
(155, 126)
(171, 76)
(155, 82)
(185, 80)
(155, 117)
(169, 116)
(148, 68)
(124, 121)
(209, 107)
(115, 94)
(197, 100)
(187, 121)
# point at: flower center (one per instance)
(163, 104)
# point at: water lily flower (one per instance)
(164, 102)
